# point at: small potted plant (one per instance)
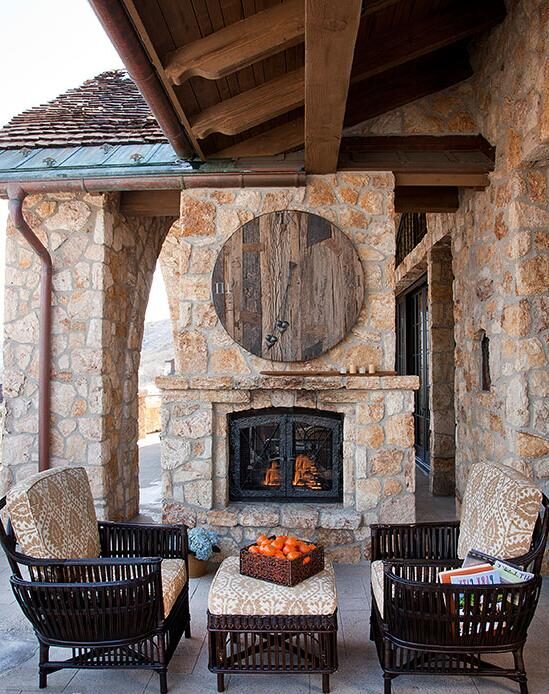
(202, 544)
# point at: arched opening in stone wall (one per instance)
(157, 358)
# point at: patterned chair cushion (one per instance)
(231, 593)
(377, 583)
(53, 515)
(174, 578)
(499, 511)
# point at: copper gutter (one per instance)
(252, 179)
(16, 195)
(121, 32)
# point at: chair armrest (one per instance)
(137, 540)
(89, 602)
(420, 611)
(415, 541)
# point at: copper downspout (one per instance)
(16, 195)
(121, 32)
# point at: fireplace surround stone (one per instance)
(378, 457)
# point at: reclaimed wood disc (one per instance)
(288, 286)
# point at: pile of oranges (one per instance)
(282, 547)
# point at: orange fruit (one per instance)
(306, 560)
(287, 549)
(267, 550)
(280, 555)
(278, 543)
(303, 547)
(254, 549)
(292, 541)
(293, 555)
(261, 539)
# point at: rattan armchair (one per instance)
(422, 627)
(112, 611)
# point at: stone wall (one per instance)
(360, 204)
(500, 245)
(378, 457)
(103, 265)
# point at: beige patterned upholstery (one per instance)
(174, 578)
(377, 583)
(500, 508)
(231, 593)
(53, 515)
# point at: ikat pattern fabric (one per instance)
(231, 593)
(499, 511)
(53, 515)
(174, 578)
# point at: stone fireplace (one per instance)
(241, 449)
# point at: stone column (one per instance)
(441, 368)
(103, 265)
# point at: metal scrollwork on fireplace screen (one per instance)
(286, 454)
(288, 285)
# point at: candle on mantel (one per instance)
(362, 370)
(371, 369)
(352, 368)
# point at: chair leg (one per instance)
(325, 684)
(42, 672)
(387, 679)
(220, 682)
(521, 671)
(163, 674)
(188, 629)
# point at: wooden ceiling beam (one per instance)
(281, 139)
(150, 203)
(444, 178)
(252, 107)
(426, 199)
(406, 83)
(423, 36)
(330, 34)
(240, 44)
(373, 6)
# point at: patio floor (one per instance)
(359, 672)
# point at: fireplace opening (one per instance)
(281, 454)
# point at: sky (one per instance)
(47, 47)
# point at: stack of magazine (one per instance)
(483, 571)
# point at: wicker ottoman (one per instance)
(260, 627)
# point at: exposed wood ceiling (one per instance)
(263, 77)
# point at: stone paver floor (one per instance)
(358, 673)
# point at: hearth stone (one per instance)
(378, 475)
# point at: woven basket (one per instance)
(285, 572)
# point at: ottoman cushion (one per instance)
(231, 593)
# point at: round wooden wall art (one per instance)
(288, 285)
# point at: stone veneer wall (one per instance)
(360, 204)
(500, 246)
(103, 266)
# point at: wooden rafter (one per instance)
(240, 44)
(330, 33)
(250, 108)
(423, 36)
(281, 139)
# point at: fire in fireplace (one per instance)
(286, 455)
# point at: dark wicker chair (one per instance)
(109, 611)
(420, 630)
